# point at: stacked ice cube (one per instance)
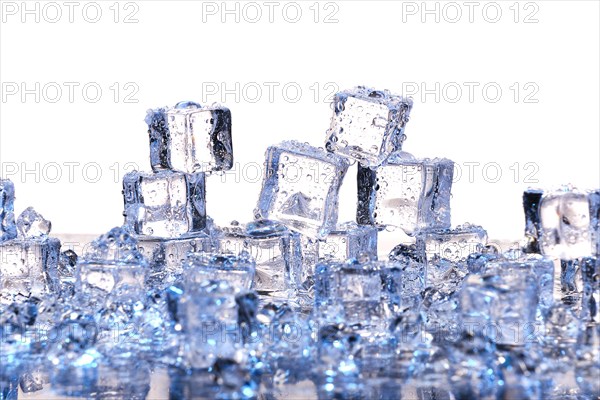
(28, 256)
(166, 208)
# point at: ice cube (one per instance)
(361, 293)
(367, 124)
(590, 308)
(347, 240)
(190, 138)
(112, 269)
(31, 225)
(563, 223)
(406, 192)
(474, 372)
(300, 188)
(413, 274)
(454, 245)
(72, 352)
(67, 263)
(209, 315)
(28, 267)
(502, 303)
(167, 256)
(587, 367)
(8, 229)
(164, 204)
(274, 248)
(238, 269)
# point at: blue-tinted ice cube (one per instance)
(274, 248)
(164, 204)
(587, 367)
(31, 224)
(190, 138)
(405, 192)
(238, 269)
(590, 307)
(300, 188)
(28, 267)
(8, 229)
(364, 294)
(209, 314)
(563, 223)
(112, 269)
(413, 274)
(502, 303)
(367, 124)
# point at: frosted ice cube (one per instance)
(8, 229)
(31, 224)
(406, 192)
(238, 270)
(164, 204)
(563, 223)
(112, 269)
(274, 248)
(364, 294)
(300, 188)
(190, 138)
(367, 124)
(28, 267)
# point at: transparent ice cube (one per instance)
(454, 245)
(590, 308)
(300, 188)
(164, 204)
(347, 240)
(112, 269)
(167, 256)
(238, 269)
(274, 248)
(406, 192)
(209, 315)
(363, 294)
(8, 229)
(190, 138)
(31, 224)
(367, 124)
(28, 267)
(563, 223)
(502, 304)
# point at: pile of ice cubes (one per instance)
(295, 303)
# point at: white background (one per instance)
(177, 50)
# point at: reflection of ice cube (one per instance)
(301, 186)
(164, 204)
(563, 223)
(190, 138)
(367, 124)
(405, 192)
